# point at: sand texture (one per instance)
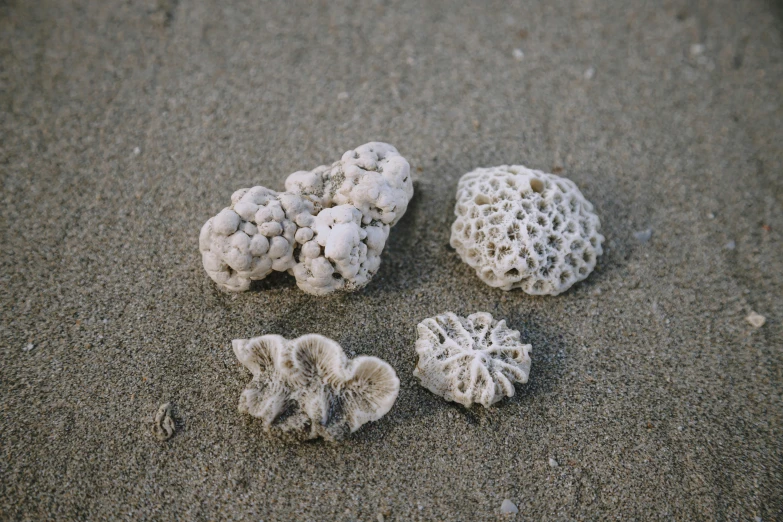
(125, 125)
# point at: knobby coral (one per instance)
(327, 229)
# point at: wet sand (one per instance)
(125, 125)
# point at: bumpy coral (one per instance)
(470, 360)
(522, 228)
(308, 388)
(328, 229)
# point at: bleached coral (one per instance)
(328, 229)
(307, 387)
(470, 360)
(255, 235)
(522, 228)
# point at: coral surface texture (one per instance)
(328, 228)
(470, 360)
(522, 228)
(307, 387)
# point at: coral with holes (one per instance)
(523, 228)
(308, 388)
(327, 229)
(470, 360)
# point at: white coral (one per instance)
(252, 237)
(308, 387)
(328, 229)
(470, 360)
(522, 228)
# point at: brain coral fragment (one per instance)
(470, 360)
(308, 388)
(522, 228)
(327, 229)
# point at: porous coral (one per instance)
(523, 228)
(328, 228)
(470, 360)
(308, 388)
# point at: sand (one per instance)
(125, 125)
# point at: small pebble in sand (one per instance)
(28, 347)
(643, 236)
(508, 507)
(136, 151)
(589, 73)
(697, 49)
(342, 96)
(731, 245)
(552, 463)
(163, 426)
(756, 320)
(518, 54)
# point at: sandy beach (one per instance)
(125, 125)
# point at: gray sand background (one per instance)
(126, 124)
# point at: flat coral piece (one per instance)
(522, 228)
(327, 229)
(308, 388)
(163, 425)
(470, 360)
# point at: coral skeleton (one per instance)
(470, 360)
(522, 228)
(327, 229)
(308, 388)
